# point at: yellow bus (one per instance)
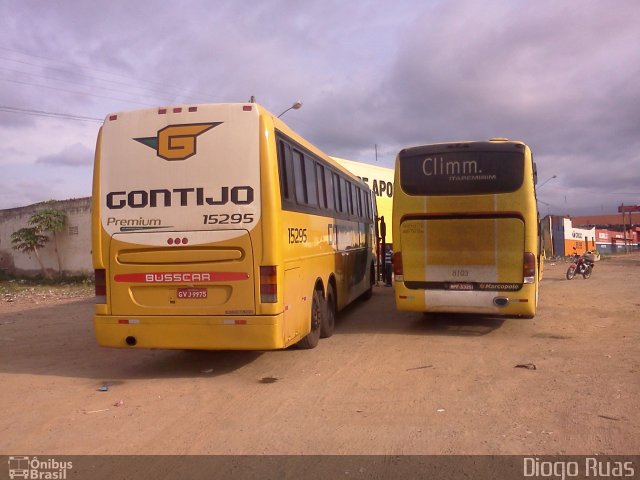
(465, 229)
(217, 227)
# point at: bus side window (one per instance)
(343, 196)
(286, 170)
(336, 192)
(367, 205)
(310, 181)
(322, 191)
(350, 197)
(328, 178)
(298, 172)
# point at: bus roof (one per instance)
(490, 145)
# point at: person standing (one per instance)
(388, 266)
(383, 249)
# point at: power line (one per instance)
(178, 90)
(41, 113)
(78, 74)
(67, 81)
(77, 92)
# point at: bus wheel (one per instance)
(329, 324)
(317, 312)
(372, 281)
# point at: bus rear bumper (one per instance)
(508, 304)
(190, 333)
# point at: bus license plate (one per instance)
(191, 292)
(461, 286)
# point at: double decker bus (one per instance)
(216, 226)
(466, 229)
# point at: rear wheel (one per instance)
(372, 280)
(317, 313)
(571, 272)
(329, 323)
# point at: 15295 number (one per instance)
(297, 235)
(228, 219)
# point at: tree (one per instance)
(50, 219)
(29, 240)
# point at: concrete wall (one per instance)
(74, 241)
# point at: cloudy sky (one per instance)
(562, 76)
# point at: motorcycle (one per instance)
(580, 265)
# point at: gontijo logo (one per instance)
(177, 142)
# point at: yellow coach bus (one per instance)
(465, 229)
(217, 227)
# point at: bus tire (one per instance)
(372, 280)
(317, 312)
(329, 320)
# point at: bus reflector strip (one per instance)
(180, 277)
(128, 321)
(268, 284)
(235, 322)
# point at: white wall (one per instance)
(74, 241)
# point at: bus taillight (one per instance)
(101, 285)
(529, 271)
(397, 264)
(268, 284)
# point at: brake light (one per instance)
(268, 284)
(101, 285)
(529, 268)
(397, 264)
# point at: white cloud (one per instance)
(76, 154)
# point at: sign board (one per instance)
(628, 208)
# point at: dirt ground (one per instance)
(385, 383)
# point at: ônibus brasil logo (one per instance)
(32, 468)
(177, 142)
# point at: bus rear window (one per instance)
(460, 172)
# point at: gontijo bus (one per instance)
(218, 227)
(465, 229)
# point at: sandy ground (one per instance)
(385, 383)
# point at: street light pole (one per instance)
(295, 106)
(546, 181)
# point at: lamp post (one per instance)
(295, 106)
(547, 180)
